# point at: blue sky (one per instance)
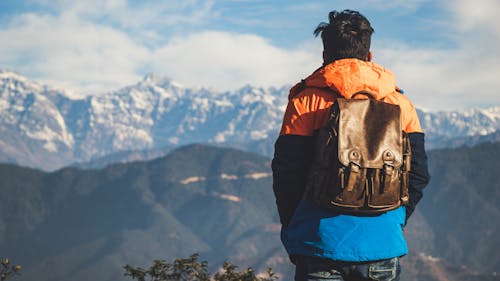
(444, 53)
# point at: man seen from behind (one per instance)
(326, 244)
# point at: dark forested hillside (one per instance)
(462, 205)
(86, 224)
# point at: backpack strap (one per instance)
(299, 87)
(388, 169)
(354, 176)
(364, 93)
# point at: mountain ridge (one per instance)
(45, 127)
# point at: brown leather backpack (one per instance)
(361, 159)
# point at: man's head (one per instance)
(347, 35)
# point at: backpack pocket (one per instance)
(351, 189)
(385, 188)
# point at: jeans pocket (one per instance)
(385, 270)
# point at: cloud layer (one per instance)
(70, 50)
(462, 75)
(98, 46)
(225, 60)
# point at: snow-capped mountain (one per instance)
(453, 129)
(46, 128)
(454, 124)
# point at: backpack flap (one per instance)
(369, 134)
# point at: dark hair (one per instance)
(347, 35)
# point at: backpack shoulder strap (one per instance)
(364, 93)
(302, 85)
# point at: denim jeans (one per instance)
(318, 269)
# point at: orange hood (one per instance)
(349, 76)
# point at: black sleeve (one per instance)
(419, 174)
(290, 165)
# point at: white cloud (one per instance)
(479, 16)
(96, 46)
(70, 52)
(136, 14)
(223, 60)
(462, 75)
(442, 79)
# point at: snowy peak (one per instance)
(46, 128)
(27, 111)
(492, 113)
(455, 124)
(12, 83)
(161, 81)
(10, 75)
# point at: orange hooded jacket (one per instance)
(308, 106)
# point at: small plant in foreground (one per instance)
(8, 270)
(190, 269)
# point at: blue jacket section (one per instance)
(323, 233)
